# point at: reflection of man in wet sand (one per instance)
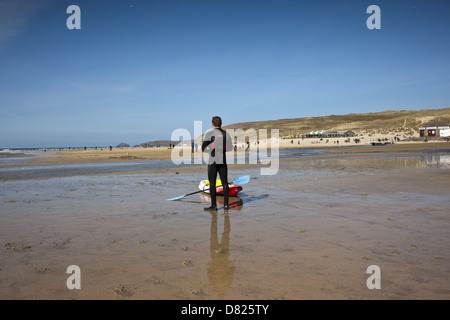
(220, 269)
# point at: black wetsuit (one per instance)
(216, 143)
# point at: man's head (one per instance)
(217, 122)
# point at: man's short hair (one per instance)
(217, 122)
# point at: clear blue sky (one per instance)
(136, 73)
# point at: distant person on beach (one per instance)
(216, 143)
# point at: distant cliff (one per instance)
(123, 145)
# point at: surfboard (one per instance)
(233, 188)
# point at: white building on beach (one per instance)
(435, 129)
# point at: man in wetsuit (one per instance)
(216, 143)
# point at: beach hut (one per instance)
(445, 133)
(346, 133)
(338, 134)
(433, 129)
(331, 134)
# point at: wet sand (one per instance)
(309, 232)
(105, 155)
(396, 147)
(163, 153)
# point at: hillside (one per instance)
(154, 143)
(404, 121)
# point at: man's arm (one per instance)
(205, 144)
(209, 138)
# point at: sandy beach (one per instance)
(308, 232)
(165, 153)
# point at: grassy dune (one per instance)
(404, 121)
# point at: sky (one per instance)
(138, 70)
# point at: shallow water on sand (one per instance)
(309, 232)
(17, 168)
